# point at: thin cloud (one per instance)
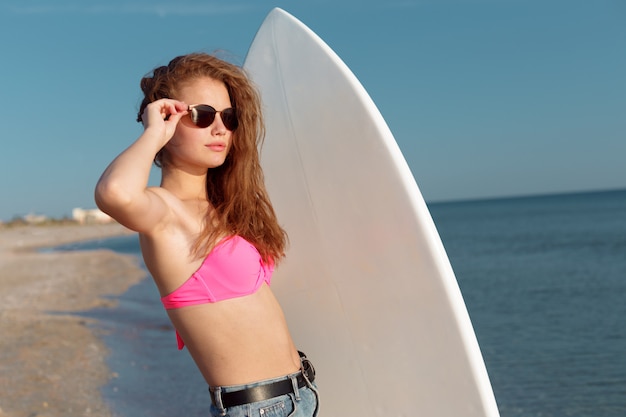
(162, 10)
(406, 4)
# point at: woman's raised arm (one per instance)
(122, 191)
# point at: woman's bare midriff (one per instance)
(238, 341)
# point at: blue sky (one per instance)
(486, 98)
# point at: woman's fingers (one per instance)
(163, 110)
(164, 115)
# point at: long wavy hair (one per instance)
(236, 189)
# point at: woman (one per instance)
(209, 235)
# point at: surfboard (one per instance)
(367, 287)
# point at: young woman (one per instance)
(209, 235)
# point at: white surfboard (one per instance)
(367, 286)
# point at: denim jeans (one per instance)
(303, 402)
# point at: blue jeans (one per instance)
(303, 402)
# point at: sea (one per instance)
(543, 279)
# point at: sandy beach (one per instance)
(52, 363)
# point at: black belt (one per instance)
(267, 391)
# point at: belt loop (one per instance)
(217, 395)
(294, 383)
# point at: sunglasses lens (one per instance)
(229, 118)
(204, 115)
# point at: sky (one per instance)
(486, 98)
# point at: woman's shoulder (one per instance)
(184, 215)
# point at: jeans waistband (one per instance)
(232, 396)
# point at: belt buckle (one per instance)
(308, 370)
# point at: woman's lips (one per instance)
(216, 147)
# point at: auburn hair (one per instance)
(236, 189)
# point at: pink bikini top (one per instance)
(233, 268)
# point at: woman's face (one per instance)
(195, 147)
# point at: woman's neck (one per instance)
(185, 185)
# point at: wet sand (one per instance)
(52, 363)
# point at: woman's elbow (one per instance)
(110, 197)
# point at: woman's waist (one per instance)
(299, 384)
(242, 366)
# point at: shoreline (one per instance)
(52, 362)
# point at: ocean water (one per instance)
(544, 281)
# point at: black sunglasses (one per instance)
(203, 115)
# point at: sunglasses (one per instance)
(203, 115)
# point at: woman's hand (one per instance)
(163, 116)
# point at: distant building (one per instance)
(90, 216)
(35, 218)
